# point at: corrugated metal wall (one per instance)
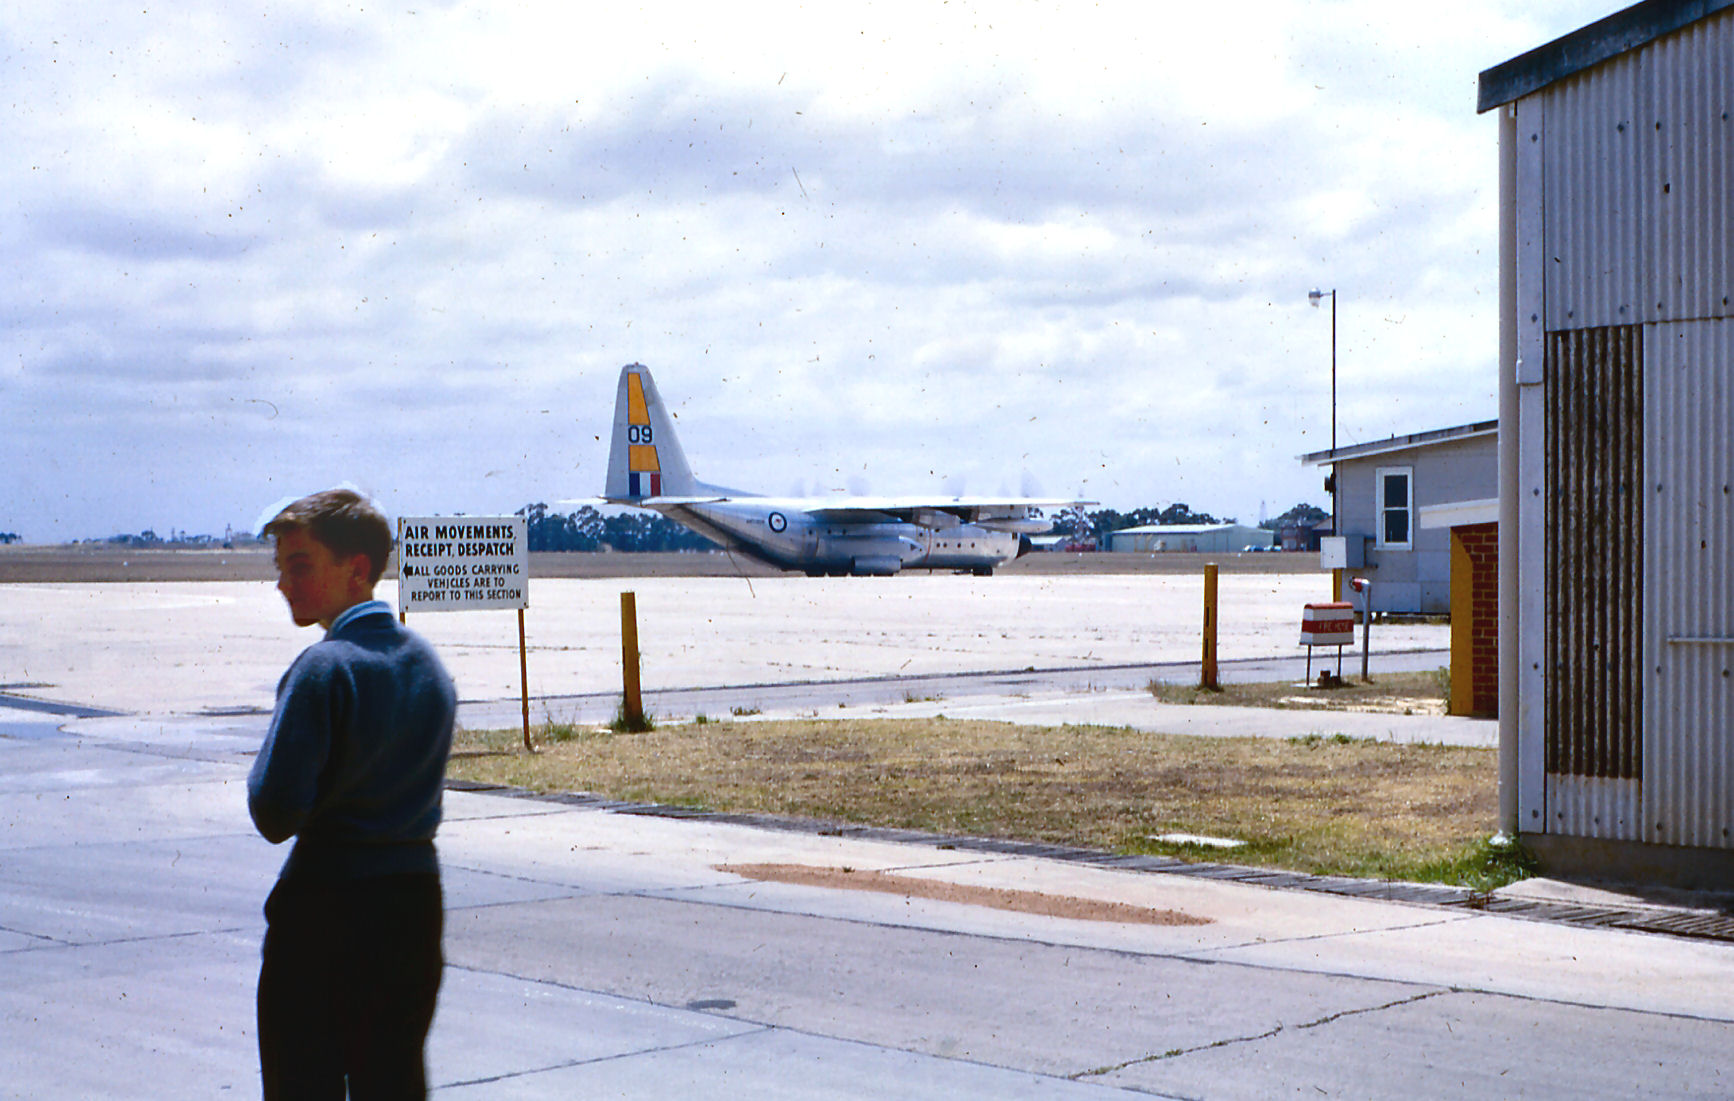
(1689, 561)
(1636, 273)
(1636, 176)
(1595, 572)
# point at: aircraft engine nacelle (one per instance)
(1016, 525)
(875, 565)
(935, 519)
(1013, 519)
(876, 555)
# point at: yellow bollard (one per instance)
(1207, 679)
(632, 709)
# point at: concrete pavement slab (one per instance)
(180, 648)
(465, 887)
(826, 697)
(137, 1019)
(570, 921)
(462, 806)
(1448, 1046)
(26, 726)
(897, 986)
(203, 737)
(780, 1065)
(1605, 967)
(135, 890)
(1623, 896)
(497, 1035)
(62, 767)
(1236, 914)
(1139, 711)
(52, 793)
(609, 852)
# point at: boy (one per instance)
(353, 768)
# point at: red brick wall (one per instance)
(1481, 544)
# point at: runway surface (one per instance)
(186, 647)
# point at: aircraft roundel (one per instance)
(777, 521)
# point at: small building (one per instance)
(1398, 501)
(1617, 474)
(1302, 537)
(1197, 538)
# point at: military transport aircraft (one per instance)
(820, 535)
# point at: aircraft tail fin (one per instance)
(644, 457)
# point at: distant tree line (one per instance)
(9, 537)
(1102, 521)
(1302, 515)
(149, 538)
(589, 530)
(1084, 524)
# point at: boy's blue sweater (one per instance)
(354, 763)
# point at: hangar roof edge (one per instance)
(1589, 46)
(1182, 529)
(1403, 443)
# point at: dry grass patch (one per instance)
(1425, 693)
(1332, 806)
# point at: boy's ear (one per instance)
(362, 565)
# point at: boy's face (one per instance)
(318, 585)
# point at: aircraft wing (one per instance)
(670, 502)
(939, 513)
(645, 502)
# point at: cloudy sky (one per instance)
(254, 250)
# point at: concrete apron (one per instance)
(596, 952)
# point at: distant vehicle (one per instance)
(819, 535)
(1254, 548)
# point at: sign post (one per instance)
(467, 564)
(1327, 624)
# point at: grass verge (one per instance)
(1325, 805)
(1424, 693)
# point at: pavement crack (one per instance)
(1232, 1041)
(44, 938)
(1406, 927)
(49, 942)
(609, 1058)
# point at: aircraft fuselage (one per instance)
(787, 534)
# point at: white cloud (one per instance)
(251, 248)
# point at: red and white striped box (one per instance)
(1331, 623)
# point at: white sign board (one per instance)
(462, 563)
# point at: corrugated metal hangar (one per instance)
(1617, 444)
(1206, 538)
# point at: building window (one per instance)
(1396, 506)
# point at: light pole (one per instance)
(1313, 296)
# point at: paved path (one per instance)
(1110, 695)
(598, 952)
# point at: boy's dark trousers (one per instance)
(347, 987)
